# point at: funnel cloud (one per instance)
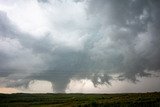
(58, 40)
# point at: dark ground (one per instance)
(81, 100)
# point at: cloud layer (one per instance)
(59, 40)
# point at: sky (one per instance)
(79, 46)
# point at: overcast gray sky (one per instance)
(70, 43)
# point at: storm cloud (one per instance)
(59, 40)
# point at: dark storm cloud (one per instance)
(132, 22)
(16, 61)
(6, 28)
(4, 32)
(125, 41)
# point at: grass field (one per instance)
(81, 100)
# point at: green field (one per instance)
(81, 100)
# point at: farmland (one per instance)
(80, 100)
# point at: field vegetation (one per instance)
(81, 100)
